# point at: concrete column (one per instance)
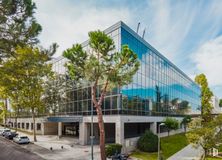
(83, 133)
(153, 127)
(42, 128)
(119, 132)
(59, 129)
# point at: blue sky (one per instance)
(189, 33)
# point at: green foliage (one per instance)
(3, 111)
(112, 149)
(171, 124)
(206, 95)
(183, 106)
(23, 79)
(172, 144)
(169, 146)
(34, 62)
(55, 92)
(18, 26)
(203, 135)
(148, 142)
(220, 103)
(144, 155)
(205, 131)
(186, 120)
(212, 158)
(100, 64)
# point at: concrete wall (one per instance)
(54, 128)
(130, 144)
(119, 120)
(50, 128)
(29, 121)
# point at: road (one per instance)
(12, 151)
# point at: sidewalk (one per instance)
(188, 153)
(71, 148)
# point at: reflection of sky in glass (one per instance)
(157, 71)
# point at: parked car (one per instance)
(10, 135)
(21, 139)
(4, 131)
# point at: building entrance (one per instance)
(71, 129)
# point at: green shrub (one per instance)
(111, 149)
(148, 142)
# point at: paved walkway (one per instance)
(65, 148)
(188, 153)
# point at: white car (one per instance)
(21, 139)
(4, 130)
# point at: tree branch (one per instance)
(103, 93)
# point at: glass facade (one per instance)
(159, 88)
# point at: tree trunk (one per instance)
(16, 127)
(168, 133)
(100, 117)
(101, 131)
(5, 114)
(205, 153)
(185, 128)
(34, 131)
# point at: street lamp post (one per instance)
(92, 137)
(161, 124)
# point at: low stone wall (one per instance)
(130, 144)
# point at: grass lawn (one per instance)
(169, 146)
(173, 144)
(144, 155)
(212, 158)
(219, 148)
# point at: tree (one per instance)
(171, 124)
(186, 120)
(205, 136)
(55, 92)
(3, 112)
(10, 82)
(205, 131)
(206, 96)
(148, 142)
(31, 68)
(101, 65)
(183, 107)
(220, 103)
(18, 26)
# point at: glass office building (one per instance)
(159, 88)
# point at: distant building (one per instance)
(159, 89)
(216, 108)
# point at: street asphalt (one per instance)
(12, 151)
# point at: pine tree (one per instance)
(18, 26)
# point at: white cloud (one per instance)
(176, 29)
(208, 60)
(169, 25)
(69, 23)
